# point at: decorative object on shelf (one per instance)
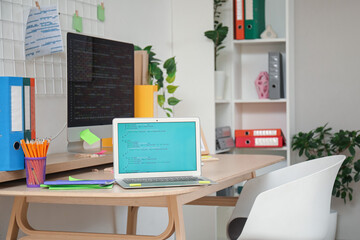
(224, 141)
(268, 33)
(219, 33)
(321, 142)
(156, 77)
(262, 85)
(220, 82)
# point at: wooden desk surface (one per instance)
(224, 171)
(60, 162)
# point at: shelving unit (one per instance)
(242, 61)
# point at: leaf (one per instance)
(161, 100)
(137, 48)
(171, 88)
(170, 79)
(168, 114)
(168, 109)
(172, 101)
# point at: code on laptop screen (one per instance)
(157, 147)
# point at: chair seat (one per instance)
(289, 203)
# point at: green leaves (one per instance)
(220, 32)
(321, 142)
(156, 76)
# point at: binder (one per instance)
(283, 71)
(32, 108)
(239, 32)
(254, 18)
(27, 108)
(276, 85)
(263, 142)
(258, 132)
(11, 123)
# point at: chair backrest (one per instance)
(290, 203)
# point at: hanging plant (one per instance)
(166, 86)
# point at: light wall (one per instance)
(173, 28)
(327, 57)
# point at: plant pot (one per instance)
(332, 225)
(220, 81)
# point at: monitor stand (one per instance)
(83, 147)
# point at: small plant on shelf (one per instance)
(220, 32)
(156, 77)
(321, 142)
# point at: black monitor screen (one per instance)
(100, 80)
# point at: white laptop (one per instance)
(157, 152)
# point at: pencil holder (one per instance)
(35, 171)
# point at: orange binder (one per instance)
(239, 32)
(263, 142)
(32, 108)
(258, 132)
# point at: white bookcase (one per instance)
(243, 60)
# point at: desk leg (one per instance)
(132, 220)
(13, 228)
(175, 208)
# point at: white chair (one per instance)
(289, 203)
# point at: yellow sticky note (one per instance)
(204, 182)
(89, 137)
(135, 184)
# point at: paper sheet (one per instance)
(43, 32)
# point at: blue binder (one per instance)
(11, 123)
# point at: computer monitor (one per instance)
(100, 86)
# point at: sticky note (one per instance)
(77, 23)
(135, 184)
(204, 182)
(89, 137)
(100, 13)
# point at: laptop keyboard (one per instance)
(161, 179)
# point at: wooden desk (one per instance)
(229, 170)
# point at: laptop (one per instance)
(157, 152)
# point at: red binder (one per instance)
(258, 132)
(239, 32)
(263, 142)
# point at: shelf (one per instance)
(222, 101)
(260, 41)
(282, 100)
(266, 149)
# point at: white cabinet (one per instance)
(243, 60)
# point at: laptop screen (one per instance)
(156, 147)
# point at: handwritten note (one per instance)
(43, 32)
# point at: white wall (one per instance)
(160, 23)
(327, 56)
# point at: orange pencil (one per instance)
(26, 153)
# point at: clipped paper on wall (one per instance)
(43, 32)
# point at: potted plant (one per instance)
(156, 77)
(321, 142)
(217, 36)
